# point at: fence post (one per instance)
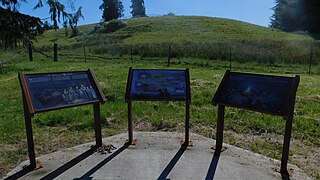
(55, 52)
(230, 58)
(84, 53)
(169, 55)
(311, 54)
(30, 52)
(131, 52)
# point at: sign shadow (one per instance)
(172, 163)
(102, 163)
(213, 166)
(25, 170)
(70, 164)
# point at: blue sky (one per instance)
(252, 11)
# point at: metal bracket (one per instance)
(223, 148)
(134, 142)
(183, 143)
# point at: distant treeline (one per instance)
(297, 15)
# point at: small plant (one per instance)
(114, 25)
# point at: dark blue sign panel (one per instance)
(158, 85)
(261, 93)
(61, 89)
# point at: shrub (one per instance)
(114, 25)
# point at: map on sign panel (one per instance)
(158, 85)
(60, 89)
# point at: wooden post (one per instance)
(230, 58)
(30, 52)
(55, 52)
(310, 63)
(220, 127)
(97, 124)
(84, 53)
(169, 56)
(131, 52)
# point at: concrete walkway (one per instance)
(158, 155)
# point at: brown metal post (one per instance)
(30, 52)
(31, 153)
(97, 124)
(286, 145)
(220, 127)
(55, 52)
(289, 121)
(187, 124)
(130, 133)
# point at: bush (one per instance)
(114, 25)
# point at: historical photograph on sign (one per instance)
(60, 89)
(257, 92)
(158, 84)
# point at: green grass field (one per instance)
(66, 128)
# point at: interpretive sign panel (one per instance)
(50, 91)
(158, 85)
(155, 84)
(262, 93)
(56, 90)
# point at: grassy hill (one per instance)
(189, 36)
(199, 43)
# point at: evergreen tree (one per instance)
(311, 9)
(297, 15)
(16, 27)
(138, 8)
(112, 9)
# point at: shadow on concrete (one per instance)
(172, 163)
(213, 166)
(70, 164)
(102, 163)
(19, 174)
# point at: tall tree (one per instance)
(16, 28)
(311, 9)
(138, 8)
(57, 10)
(294, 15)
(112, 9)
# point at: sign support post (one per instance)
(97, 124)
(220, 127)
(31, 153)
(130, 140)
(187, 141)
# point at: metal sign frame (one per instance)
(287, 114)
(30, 109)
(129, 99)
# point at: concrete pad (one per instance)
(158, 155)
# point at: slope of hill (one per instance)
(189, 36)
